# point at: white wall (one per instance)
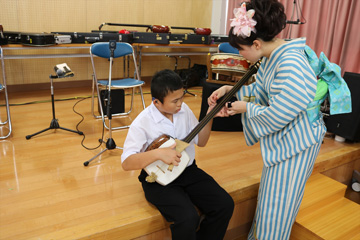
(219, 17)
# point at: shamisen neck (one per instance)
(221, 102)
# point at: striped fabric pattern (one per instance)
(289, 141)
(285, 85)
(280, 194)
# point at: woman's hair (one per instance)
(270, 18)
(163, 82)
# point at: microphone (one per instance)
(59, 72)
(112, 47)
(63, 70)
(295, 22)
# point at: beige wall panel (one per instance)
(87, 15)
(202, 11)
(9, 16)
(51, 15)
(178, 13)
(25, 71)
(13, 71)
(169, 13)
(39, 71)
(112, 11)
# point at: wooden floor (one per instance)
(47, 193)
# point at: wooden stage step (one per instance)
(47, 193)
(325, 213)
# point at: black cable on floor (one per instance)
(77, 127)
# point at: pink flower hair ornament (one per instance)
(243, 23)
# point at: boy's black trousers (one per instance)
(177, 200)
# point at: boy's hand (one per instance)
(169, 155)
(221, 113)
(218, 93)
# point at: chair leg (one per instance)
(95, 86)
(103, 117)
(142, 97)
(132, 99)
(92, 95)
(123, 114)
(8, 117)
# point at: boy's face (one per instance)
(172, 102)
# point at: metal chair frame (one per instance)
(3, 88)
(125, 50)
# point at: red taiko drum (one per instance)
(228, 62)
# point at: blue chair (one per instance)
(225, 47)
(6, 122)
(125, 50)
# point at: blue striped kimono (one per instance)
(289, 140)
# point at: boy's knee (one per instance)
(227, 205)
(188, 221)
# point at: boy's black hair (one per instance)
(270, 21)
(163, 82)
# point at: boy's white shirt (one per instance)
(151, 123)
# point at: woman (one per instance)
(277, 116)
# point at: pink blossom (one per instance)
(243, 23)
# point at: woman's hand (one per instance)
(218, 94)
(236, 107)
(221, 113)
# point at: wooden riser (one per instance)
(238, 228)
(47, 193)
(319, 190)
(299, 232)
(325, 213)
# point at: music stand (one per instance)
(54, 122)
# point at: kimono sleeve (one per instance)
(246, 93)
(292, 89)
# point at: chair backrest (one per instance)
(101, 49)
(227, 48)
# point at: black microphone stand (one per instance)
(54, 122)
(186, 80)
(298, 20)
(110, 143)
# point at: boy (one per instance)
(168, 114)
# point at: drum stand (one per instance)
(54, 122)
(110, 143)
